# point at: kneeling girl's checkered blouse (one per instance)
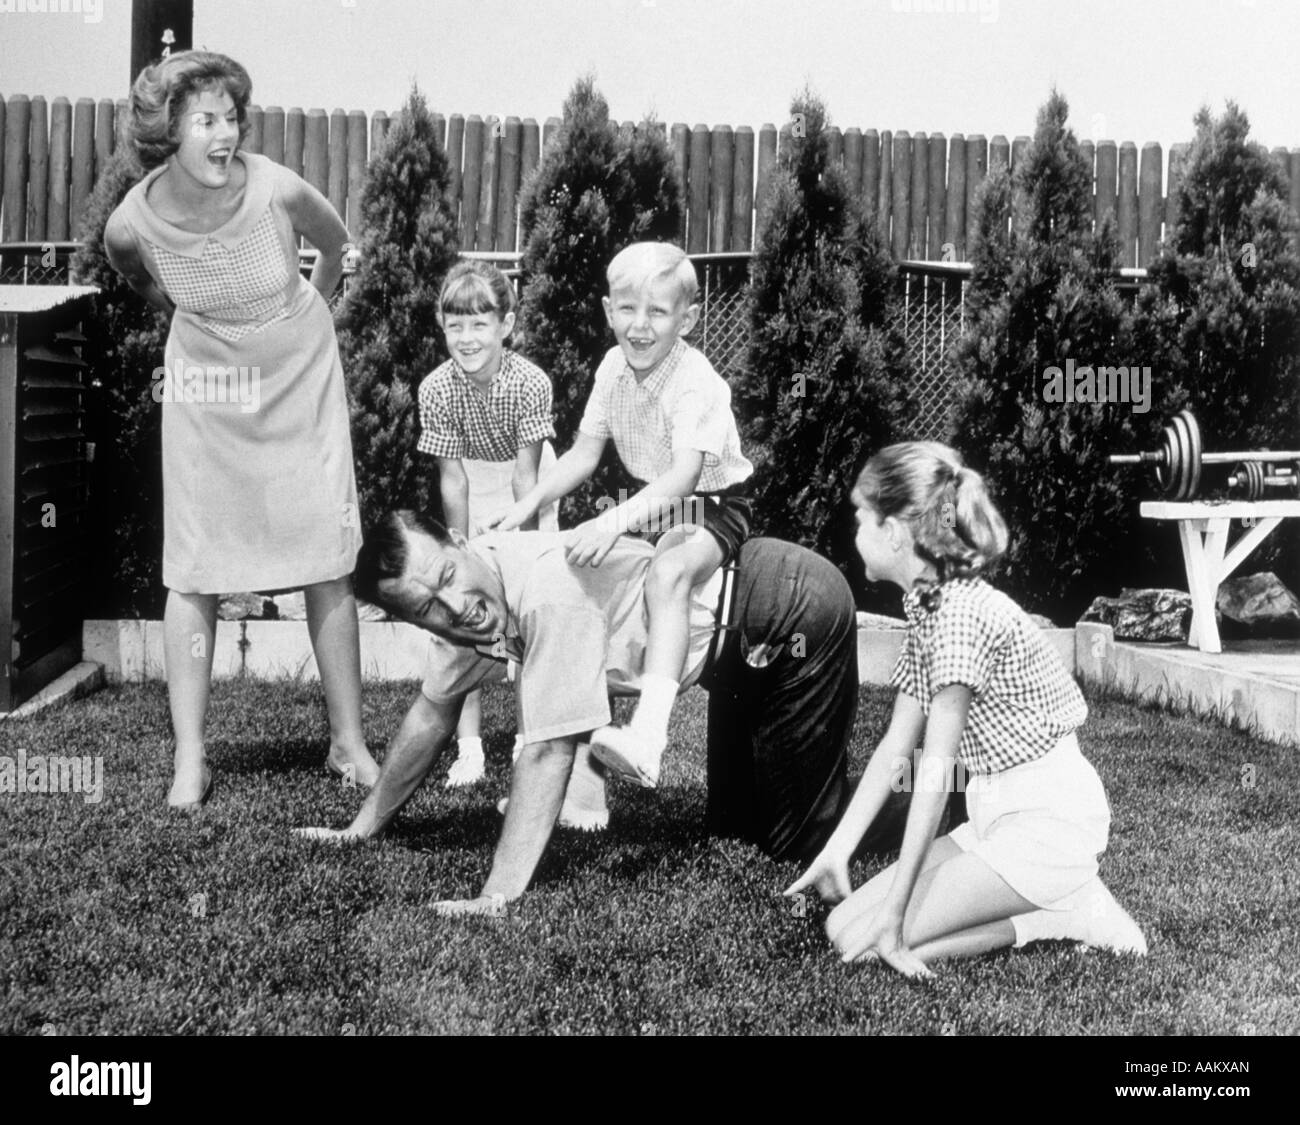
(1024, 701)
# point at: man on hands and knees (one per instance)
(777, 631)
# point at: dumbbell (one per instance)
(1179, 460)
(1252, 479)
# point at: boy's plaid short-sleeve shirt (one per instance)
(458, 420)
(1023, 700)
(683, 404)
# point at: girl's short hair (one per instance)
(472, 287)
(162, 91)
(955, 524)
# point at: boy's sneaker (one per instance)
(632, 757)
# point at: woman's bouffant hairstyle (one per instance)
(472, 287)
(162, 91)
(954, 523)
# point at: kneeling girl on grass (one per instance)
(977, 681)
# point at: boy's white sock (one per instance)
(469, 747)
(655, 707)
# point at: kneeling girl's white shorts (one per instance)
(1041, 826)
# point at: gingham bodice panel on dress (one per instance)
(232, 292)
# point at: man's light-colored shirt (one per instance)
(682, 404)
(576, 632)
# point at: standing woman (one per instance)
(258, 487)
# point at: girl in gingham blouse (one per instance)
(977, 682)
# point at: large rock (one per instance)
(1144, 615)
(245, 607)
(1257, 605)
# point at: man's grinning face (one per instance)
(448, 590)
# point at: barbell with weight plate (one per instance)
(1179, 460)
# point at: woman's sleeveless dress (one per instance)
(258, 485)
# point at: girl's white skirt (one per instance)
(490, 491)
(1041, 826)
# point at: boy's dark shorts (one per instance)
(726, 515)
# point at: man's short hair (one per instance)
(384, 553)
(635, 266)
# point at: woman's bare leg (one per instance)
(336, 640)
(189, 627)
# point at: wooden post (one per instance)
(253, 142)
(18, 120)
(1282, 160)
(356, 168)
(1127, 207)
(680, 143)
(273, 134)
(3, 111)
(105, 135)
(487, 200)
(508, 184)
(999, 153)
(1177, 164)
(338, 162)
(742, 192)
(316, 151)
(853, 160)
(1295, 188)
(977, 164)
(1107, 165)
(471, 181)
(1088, 150)
(121, 124)
(1018, 149)
(439, 129)
(937, 147)
(954, 222)
(1149, 202)
(721, 166)
(766, 170)
(920, 202)
(834, 146)
(56, 223)
(530, 155)
(295, 132)
(83, 160)
(379, 123)
(38, 175)
(697, 226)
(871, 174)
(884, 194)
(549, 128)
(902, 194)
(455, 159)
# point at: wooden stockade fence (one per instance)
(919, 186)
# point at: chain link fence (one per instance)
(931, 313)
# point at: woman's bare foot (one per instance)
(354, 765)
(191, 784)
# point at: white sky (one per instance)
(1131, 69)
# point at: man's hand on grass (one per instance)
(330, 835)
(494, 906)
(828, 875)
(589, 543)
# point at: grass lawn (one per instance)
(118, 917)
